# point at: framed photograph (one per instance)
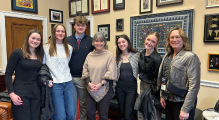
(211, 30)
(78, 7)
(168, 2)
(119, 24)
(141, 26)
(55, 16)
(116, 38)
(118, 4)
(100, 6)
(105, 29)
(25, 5)
(213, 62)
(212, 3)
(145, 6)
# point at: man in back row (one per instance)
(82, 44)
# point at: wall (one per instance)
(207, 96)
(43, 10)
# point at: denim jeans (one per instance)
(63, 101)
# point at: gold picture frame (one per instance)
(213, 62)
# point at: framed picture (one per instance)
(78, 7)
(141, 26)
(52, 25)
(211, 31)
(105, 29)
(55, 16)
(119, 24)
(116, 38)
(213, 62)
(212, 3)
(25, 6)
(168, 2)
(100, 6)
(118, 4)
(145, 6)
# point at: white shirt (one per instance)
(58, 64)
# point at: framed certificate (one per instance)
(118, 4)
(78, 7)
(99, 6)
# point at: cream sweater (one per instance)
(98, 66)
(58, 65)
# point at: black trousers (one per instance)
(126, 94)
(173, 110)
(103, 105)
(30, 95)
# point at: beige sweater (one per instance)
(98, 66)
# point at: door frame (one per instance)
(4, 14)
(70, 21)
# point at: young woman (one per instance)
(57, 56)
(99, 71)
(149, 63)
(24, 91)
(127, 73)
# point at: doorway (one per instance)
(16, 31)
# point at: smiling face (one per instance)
(122, 44)
(99, 44)
(60, 33)
(176, 41)
(34, 40)
(150, 42)
(80, 28)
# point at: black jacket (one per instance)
(46, 105)
(146, 106)
(148, 70)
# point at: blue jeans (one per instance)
(63, 101)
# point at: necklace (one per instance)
(125, 58)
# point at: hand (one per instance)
(163, 102)
(183, 115)
(49, 84)
(15, 99)
(97, 87)
(91, 85)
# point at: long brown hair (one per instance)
(26, 47)
(129, 48)
(186, 45)
(52, 42)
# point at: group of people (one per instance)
(84, 71)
